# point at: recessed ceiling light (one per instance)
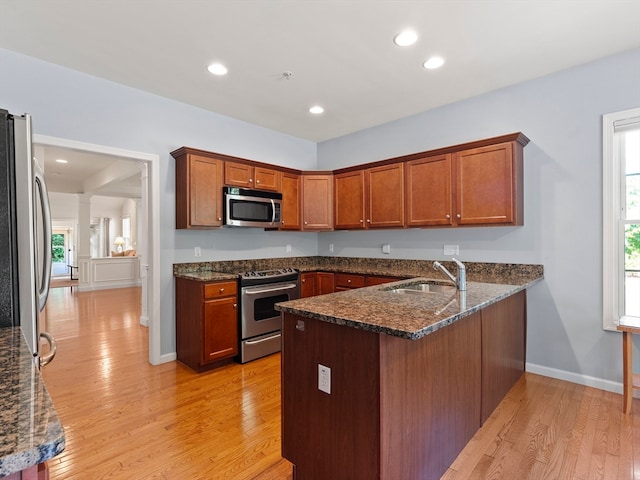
(316, 110)
(406, 38)
(217, 69)
(433, 62)
(61, 160)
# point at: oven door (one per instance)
(258, 313)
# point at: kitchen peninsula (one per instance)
(383, 384)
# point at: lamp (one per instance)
(119, 241)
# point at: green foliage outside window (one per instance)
(57, 248)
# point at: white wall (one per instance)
(562, 115)
(71, 105)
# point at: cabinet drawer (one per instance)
(220, 289)
(348, 280)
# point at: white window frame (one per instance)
(612, 233)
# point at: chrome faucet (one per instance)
(461, 281)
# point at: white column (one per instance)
(142, 222)
(83, 258)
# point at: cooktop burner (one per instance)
(268, 276)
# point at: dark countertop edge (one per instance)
(53, 441)
(409, 335)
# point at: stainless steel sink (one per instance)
(421, 288)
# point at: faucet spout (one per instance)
(461, 281)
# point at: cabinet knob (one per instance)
(349, 281)
(447, 216)
(361, 221)
(219, 219)
(282, 222)
(368, 220)
(221, 290)
(304, 280)
(459, 216)
(251, 180)
(305, 223)
(235, 305)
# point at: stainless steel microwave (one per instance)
(243, 207)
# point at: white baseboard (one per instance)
(585, 380)
(167, 357)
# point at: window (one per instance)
(621, 216)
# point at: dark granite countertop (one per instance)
(376, 308)
(410, 316)
(30, 432)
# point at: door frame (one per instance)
(153, 224)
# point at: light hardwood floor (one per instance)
(126, 419)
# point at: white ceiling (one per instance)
(340, 52)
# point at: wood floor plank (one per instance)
(127, 419)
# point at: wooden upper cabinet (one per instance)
(370, 198)
(248, 176)
(349, 207)
(291, 192)
(429, 197)
(198, 191)
(317, 202)
(489, 185)
(385, 196)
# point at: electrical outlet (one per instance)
(324, 379)
(288, 248)
(197, 252)
(331, 247)
(386, 248)
(451, 249)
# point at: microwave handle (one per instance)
(273, 211)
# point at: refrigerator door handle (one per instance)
(53, 348)
(43, 197)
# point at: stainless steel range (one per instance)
(260, 323)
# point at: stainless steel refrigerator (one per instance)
(25, 236)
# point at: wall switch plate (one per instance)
(197, 252)
(386, 248)
(324, 379)
(451, 250)
(288, 248)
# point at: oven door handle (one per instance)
(279, 288)
(262, 340)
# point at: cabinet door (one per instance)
(317, 202)
(238, 175)
(385, 196)
(349, 201)
(266, 179)
(325, 283)
(290, 202)
(308, 284)
(220, 329)
(429, 197)
(201, 205)
(371, 280)
(486, 186)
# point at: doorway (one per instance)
(150, 265)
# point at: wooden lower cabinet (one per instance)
(348, 281)
(308, 284)
(206, 322)
(325, 283)
(503, 349)
(371, 280)
(39, 471)
(398, 409)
